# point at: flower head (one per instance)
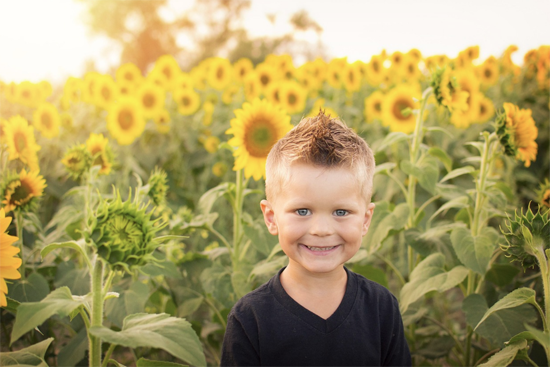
(101, 152)
(543, 193)
(447, 91)
(373, 106)
(46, 120)
(77, 160)
(8, 262)
(256, 128)
(527, 236)
(395, 103)
(123, 233)
(158, 186)
(19, 138)
(517, 132)
(188, 101)
(220, 73)
(125, 120)
(20, 191)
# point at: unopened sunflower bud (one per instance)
(157, 186)
(77, 160)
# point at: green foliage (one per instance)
(158, 331)
(30, 356)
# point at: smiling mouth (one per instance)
(313, 248)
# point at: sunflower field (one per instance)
(129, 203)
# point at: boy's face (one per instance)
(320, 217)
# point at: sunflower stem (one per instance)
(19, 230)
(97, 312)
(414, 152)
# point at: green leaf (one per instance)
(474, 252)
(437, 347)
(381, 168)
(370, 272)
(432, 240)
(426, 172)
(216, 280)
(75, 350)
(30, 356)
(500, 326)
(513, 299)
(390, 139)
(385, 223)
(501, 274)
(506, 190)
(430, 275)
(189, 306)
(174, 335)
(32, 289)
(208, 199)
(79, 246)
(478, 145)
(442, 156)
(440, 129)
(142, 362)
(129, 302)
(30, 315)
(261, 239)
(506, 355)
(78, 280)
(457, 172)
(542, 337)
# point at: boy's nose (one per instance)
(321, 226)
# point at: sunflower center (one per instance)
(185, 101)
(351, 77)
(488, 73)
(378, 107)
(399, 106)
(167, 72)
(20, 141)
(220, 73)
(148, 100)
(125, 119)
(242, 72)
(482, 109)
(259, 139)
(375, 66)
(264, 79)
(46, 120)
(124, 233)
(292, 99)
(22, 193)
(129, 76)
(411, 68)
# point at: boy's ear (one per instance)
(269, 217)
(367, 219)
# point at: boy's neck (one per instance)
(296, 279)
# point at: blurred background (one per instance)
(59, 38)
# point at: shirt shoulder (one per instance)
(374, 293)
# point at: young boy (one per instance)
(315, 312)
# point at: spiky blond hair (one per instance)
(320, 141)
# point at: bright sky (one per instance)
(47, 39)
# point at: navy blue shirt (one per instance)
(269, 328)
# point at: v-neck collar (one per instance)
(316, 321)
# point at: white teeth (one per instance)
(320, 248)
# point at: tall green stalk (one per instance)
(414, 154)
(97, 312)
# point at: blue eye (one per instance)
(340, 212)
(302, 212)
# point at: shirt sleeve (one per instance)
(398, 354)
(237, 348)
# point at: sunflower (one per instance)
(292, 97)
(252, 86)
(198, 77)
(46, 120)
(162, 121)
(188, 101)
(45, 89)
(308, 81)
(506, 60)
(219, 169)
(373, 106)
(256, 128)
(335, 69)
(486, 109)
(432, 62)
(77, 160)
(351, 77)
(211, 144)
(517, 132)
(415, 54)
(89, 86)
(18, 191)
(219, 73)
(128, 74)
(397, 59)
(488, 73)
(151, 98)
(241, 68)
(273, 92)
(8, 262)
(375, 70)
(106, 92)
(543, 193)
(266, 74)
(101, 152)
(319, 105)
(168, 67)
(125, 120)
(396, 101)
(410, 69)
(20, 141)
(72, 89)
(66, 120)
(447, 92)
(27, 93)
(208, 108)
(468, 82)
